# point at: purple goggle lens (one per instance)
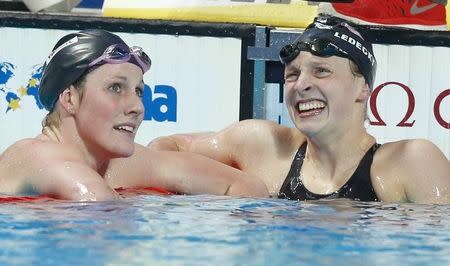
(119, 53)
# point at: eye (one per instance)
(115, 88)
(291, 76)
(139, 92)
(321, 71)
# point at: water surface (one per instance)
(211, 230)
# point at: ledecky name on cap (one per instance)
(357, 44)
(54, 52)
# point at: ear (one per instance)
(364, 93)
(69, 99)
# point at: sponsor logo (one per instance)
(161, 104)
(406, 121)
(415, 10)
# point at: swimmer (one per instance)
(92, 86)
(329, 75)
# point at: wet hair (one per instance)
(330, 36)
(70, 59)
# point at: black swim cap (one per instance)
(70, 59)
(328, 36)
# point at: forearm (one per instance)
(195, 174)
(178, 142)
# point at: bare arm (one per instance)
(417, 171)
(238, 145)
(72, 181)
(178, 142)
(259, 148)
(44, 168)
(220, 146)
(182, 172)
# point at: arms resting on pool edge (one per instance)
(402, 171)
(29, 167)
(182, 172)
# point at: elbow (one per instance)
(87, 192)
(164, 144)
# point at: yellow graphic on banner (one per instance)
(14, 104)
(23, 91)
(296, 14)
(447, 8)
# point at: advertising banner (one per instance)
(418, 14)
(193, 85)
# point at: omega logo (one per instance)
(405, 122)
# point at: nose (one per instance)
(134, 105)
(303, 83)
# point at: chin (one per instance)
(307, 129)
(128, 152)
(122, 151)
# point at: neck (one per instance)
(67, 134)
(333, 160)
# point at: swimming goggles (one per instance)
(120, 53)
(319, 47)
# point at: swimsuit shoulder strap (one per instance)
(291, 182)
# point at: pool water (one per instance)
(211, 230)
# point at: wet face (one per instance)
(111, 110)
(322, 94)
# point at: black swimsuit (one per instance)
(358, 187)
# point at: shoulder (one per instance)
(402, 168)
(39, 164)
(34, 152)
(408, 152)
(20, 150)
(22, 144)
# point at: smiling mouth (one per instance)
(310, 108)
(126, 129)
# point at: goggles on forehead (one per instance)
(119, 53)
(319, 47)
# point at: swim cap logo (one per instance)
(322, 26)
(357, 44)
(54, 52)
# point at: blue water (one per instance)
(209, 230)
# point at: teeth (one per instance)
(126, 128)
(310, 106)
